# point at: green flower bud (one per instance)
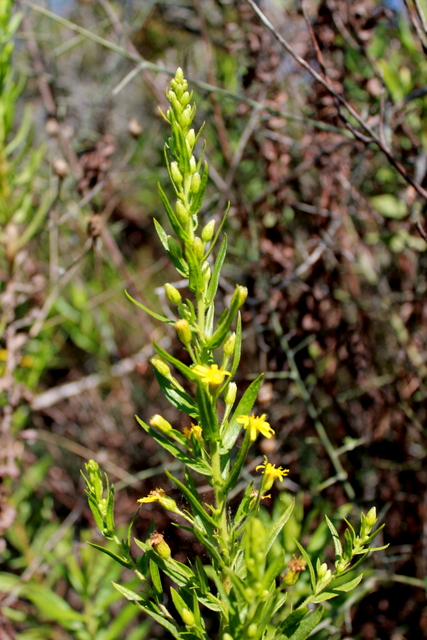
(160, 546)
(193, 164)
(161, 365)
(206, 272)
(191, 138)
(176, 173)
(186, 116)
(208, 231)
(183, 330)
(185, 98)
(227, 636)
(252, 630)
(187, 617)
(173, 294)
(230, 394)
(371, 517)
(322, 570)
(198, 248)
(239, 296)
(181, 212)
(94, 479)
(161, 424)
(196, 181)
(229, 345)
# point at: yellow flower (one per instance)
(154, 496)
(212, 374)
(271, 473)
(255, 424)
(158, 495)
(195, 431)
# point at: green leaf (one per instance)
(127, 593)
(196, 281)
(163, 236)
(179, 231)
(198, 198)
(175, 450)
(109, 516)
(36, 220)
(179, 603)
(213, 285)
(309, 563)
(389, 206)
(325, 595)
(52, 605)
(335, 538)
(172, 627)
(193, 500)
(186, 371)
(155, 578)
(243, 408)
(278, 526)
(111, 554)
(238, 463)
(307, 625)
(208, 417)
(176, 397)
(349, 586)
(97, 516)
(147, 310)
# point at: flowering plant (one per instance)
(243, 583)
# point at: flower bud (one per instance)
(185, 98)
(322, 570)
(206, 271)
(172, 293)
(181, 212)
(208, 231)
(239, 296)
(161, 424)
(183, 330)
(229, 345)
(371, 517)
(187, 617)
(227, 636)
(193, 164)
(186, 116)
(160, 365)
(191, 138)
(230, 394)
(175, 172)
(198, 248)
(196, 181)
(159, 545)
(252, 630)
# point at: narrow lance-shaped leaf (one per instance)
(243, 408)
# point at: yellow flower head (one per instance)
(255, 424)
(271, 473)
(213, 375)
(158, 495)
(154, 496)
(195, 431)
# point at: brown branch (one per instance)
(372, 136)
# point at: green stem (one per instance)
(220, 498)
